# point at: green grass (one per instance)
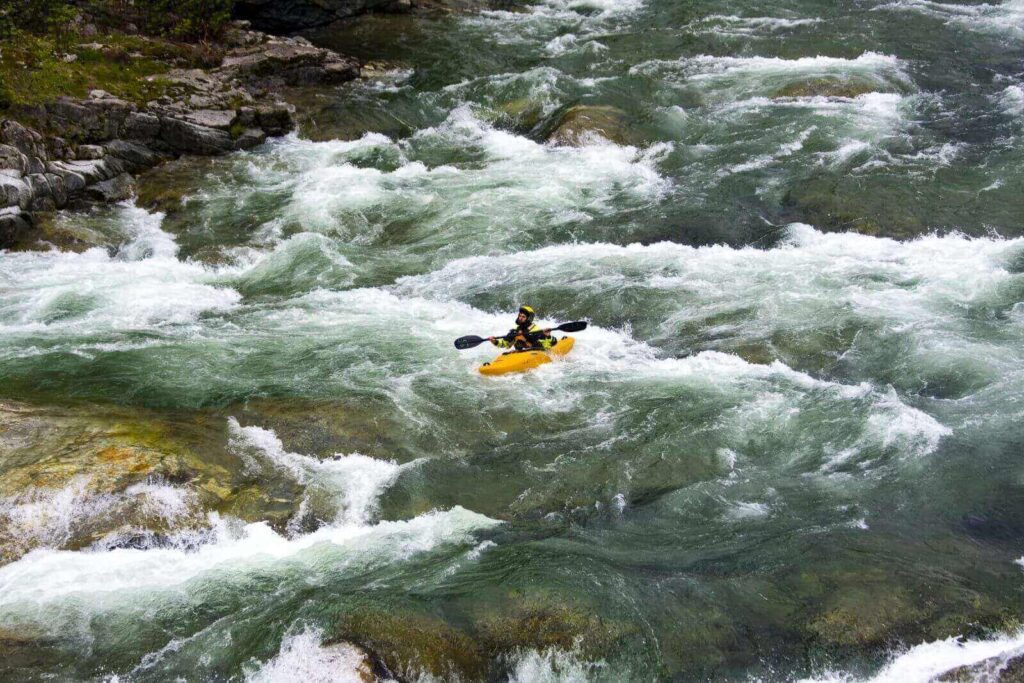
(33, 73)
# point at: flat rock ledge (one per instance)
(92, 146)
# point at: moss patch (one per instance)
(33, 71)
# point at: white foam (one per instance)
(516, 183)
(52, 517)
(757, 75)
(303, 657)
(927, 661)
(747, 27)
(142, 287)
(108, 579)
(1004, 19)
(553, 666)
(740, 511)
(1012, 100)
(356, 480)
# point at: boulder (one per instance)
(25, 140)
(73, 120)
(74, 182)
(57, 189)
(273, 57)
(220, 119)
(184, 136)
(93, 170)
(275, 119)
(140, 126)
(14, 224)
(89, 152)
(14, 192)
(58, 148)
(825, 87)
(250, 137)
(12, 159)
(116, 189)
(35, 165)
(582, 123)
(38, 185)
(138, 156)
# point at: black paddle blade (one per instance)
(468, 342)
(577, 326)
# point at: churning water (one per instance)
(788, 447)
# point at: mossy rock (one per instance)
(543, 624)
(824, 205)
(865, 618)
(96, 453)
(522, 114)
(826, 87)
(411, 644)
(580, 124)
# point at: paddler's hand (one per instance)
(491, 339)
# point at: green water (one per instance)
(787, 447)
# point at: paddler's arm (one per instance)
(503, 342)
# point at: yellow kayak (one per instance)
(521, 361)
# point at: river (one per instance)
(787, 447)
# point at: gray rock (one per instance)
(247, 116)
(15, 192)
(25, 140)
(35, 165)
(14, 224)
(116, 189)
(57, 189)
(184, 136)
(93, 170)
(137, 155)
(275, 56)
(140, 126)
(89, 152)
(43, 203)
(191, 79)
(250, 137)
(12, 159)
(59, 148)
(221, 119)
(114, 166)
(39, 186)
(275, 119)
(72, 119)
(73, 182)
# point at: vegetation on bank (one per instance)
(50, 48)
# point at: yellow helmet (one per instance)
(528, 312)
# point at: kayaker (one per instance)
(525, 335)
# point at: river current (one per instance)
(787, 447)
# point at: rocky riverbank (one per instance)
(80, 150)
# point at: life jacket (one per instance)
(521, 342)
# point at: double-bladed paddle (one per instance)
(469, 341)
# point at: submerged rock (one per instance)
(1002, 669)
(826, 87)
(581, 124)
(412, 644)
(70, 477)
